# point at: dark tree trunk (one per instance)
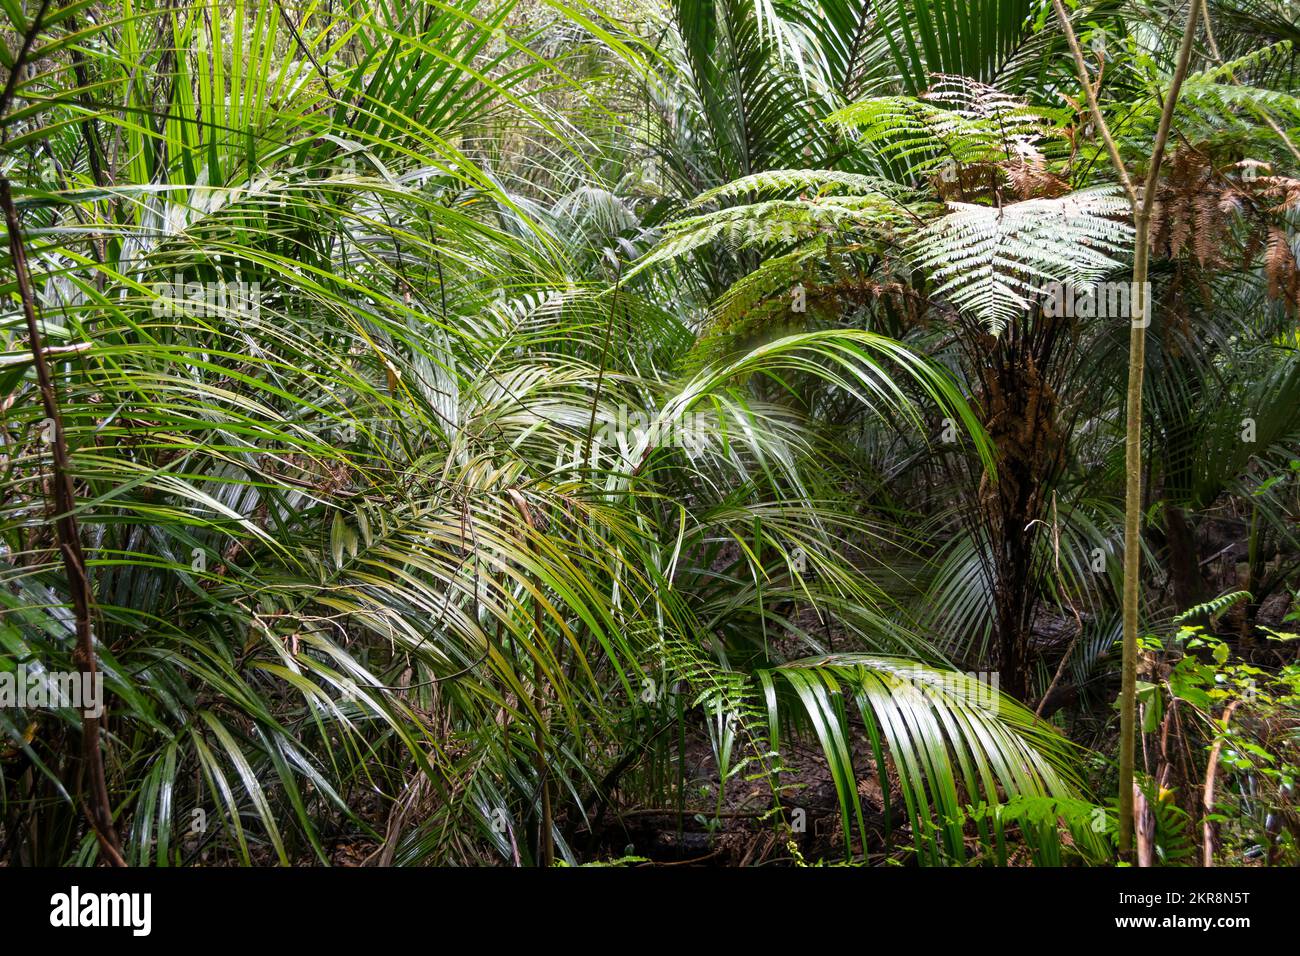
(1019, 409)
(1184, 560)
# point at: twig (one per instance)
(1078, 619)
(100, 809)
(1060, 670)
(11, 84)
(1081, 67)
(1207, 800)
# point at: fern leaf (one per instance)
(993, 262)
(819, 180)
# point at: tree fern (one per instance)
(995, 263)
(776, 222)
(816, 181)
(957, 121)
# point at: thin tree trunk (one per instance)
(1211, 771)
(99, 809)
(1132, 535)
(1141, 205)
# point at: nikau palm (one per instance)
(456, 429)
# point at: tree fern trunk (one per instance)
(1184, 559)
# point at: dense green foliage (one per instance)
(493, 421)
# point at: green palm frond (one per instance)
(952, 739)
(472, 408)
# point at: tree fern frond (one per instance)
(1212, 107)
(1213, 607)
(774, 221)
(818, 180)
(958, 120)
(1204, 94)
(1248, 63)
(993, 262)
